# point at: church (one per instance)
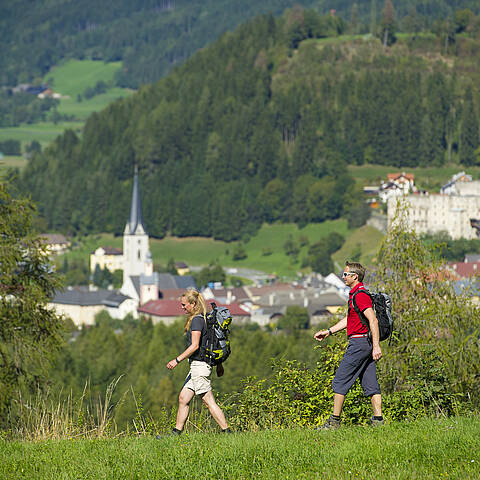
(141, 284)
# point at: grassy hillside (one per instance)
(73, 77)
(426, 449)
(199, 251)
(70, 80)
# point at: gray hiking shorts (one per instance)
(357, 362)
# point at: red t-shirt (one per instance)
(363, 301)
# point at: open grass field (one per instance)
(203, 251)
(70, 80)
(425, 449)
(44, 132)
(427, 178)
(11, 162)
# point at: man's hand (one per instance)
(376, 352)
(321, 335)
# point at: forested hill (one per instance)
(260, 126)
(150, 37)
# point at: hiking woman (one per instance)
(198, 378)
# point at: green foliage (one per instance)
(211, 274)
(10, 147)
(450, 250)
(300, 396)
(295, 318)
(319, 254)
(29, 330)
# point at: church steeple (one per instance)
(135, 220)
(135, 244)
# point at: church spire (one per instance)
(135, 218)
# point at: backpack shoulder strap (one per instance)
(360, 314)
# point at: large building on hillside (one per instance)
(457, 214)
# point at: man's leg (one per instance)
(338, 400)
(215, 410)
(184, 399)
(377, 405)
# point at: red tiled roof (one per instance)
(172, 308)
(395, 176)
(465, 269)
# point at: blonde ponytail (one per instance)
(195, 298)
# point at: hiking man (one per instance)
(362, 352)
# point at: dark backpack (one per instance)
(217, 345)
(382, 305)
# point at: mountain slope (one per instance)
(151, 37)
(252, 129)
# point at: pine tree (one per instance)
(469, 133)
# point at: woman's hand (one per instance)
(172, 364)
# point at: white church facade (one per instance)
(141, 283)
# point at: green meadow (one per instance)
(425, 449)
(197, 251)
(7, 162)
(70, 80)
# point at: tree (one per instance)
(296, 318)
(387, 31)
(30, 333)
(469, 134)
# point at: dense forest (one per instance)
(151, 37)
(261, 125)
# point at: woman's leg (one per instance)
(215, 410)
(183, 407)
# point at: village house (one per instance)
(397, 184)
(81, 304)
(106, 258)
(450, 188)
(56, 242)
(182, 268)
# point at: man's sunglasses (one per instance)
(348, 273)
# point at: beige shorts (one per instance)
(198, 378)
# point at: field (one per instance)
(70, 80)
(11, 162)
(425, 449)
(202, 251)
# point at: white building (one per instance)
(454, 214)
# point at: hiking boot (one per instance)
(374, 422)
(330, 424)
(173, 433)
(227, 430)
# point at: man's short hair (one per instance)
(357, 268)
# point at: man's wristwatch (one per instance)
(329, 331)
(176, 359)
